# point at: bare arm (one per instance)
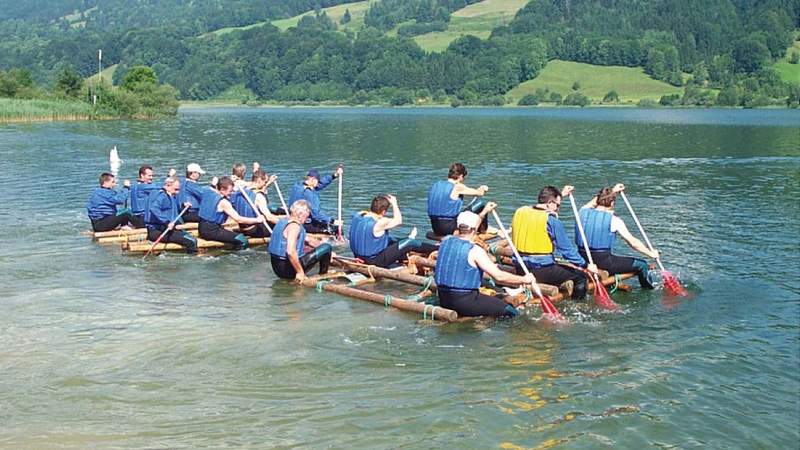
(636, 244)
(226, 207)
(261, 204)
(387, 223)
(461, 189)
(292, 233)
(482, 260)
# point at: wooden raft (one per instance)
(202, 244)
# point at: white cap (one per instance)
(469, 219)
(194, 167)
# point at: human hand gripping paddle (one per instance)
(169, 227)
(255, 208)
(671, 283)
(548, 308)
(601, 296)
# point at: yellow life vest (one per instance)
(529, 231)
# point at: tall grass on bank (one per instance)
(20, 110)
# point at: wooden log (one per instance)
(434, 312)
(143, 231)
(401, 275)
(482, 236)
(134, 238)
(136, 247)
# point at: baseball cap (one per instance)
(194, 167)
(468, 219)
(314, 173)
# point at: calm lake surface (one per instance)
(100, 349)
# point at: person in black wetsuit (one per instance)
(369, 235)
(459, 271)
(445, 201)
(215, 208)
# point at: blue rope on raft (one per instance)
(321, 284)
(418, 295)
(387, 300)
(425, 312)
(617, 281)
(493, 252)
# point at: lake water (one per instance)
(100, 349)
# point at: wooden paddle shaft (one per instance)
(516, 253)
(580, 228)
(280, 196)
(641, 228)
(255, 208)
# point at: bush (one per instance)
(416, 29)
(728, 96)
(494, 100)
(794, 58)
(528, 100)
(670, 100)
(647, 103)
(576, 99)
(612, 96)
(576, 86)
(555, 97)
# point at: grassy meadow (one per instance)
(789, 72)
(20, 110)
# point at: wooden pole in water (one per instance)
(135, 247)
(379, 272)
(434, 312)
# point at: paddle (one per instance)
(252, 205)
(671, 283)
(339, 231)
(601, 296)
(548, 308)
(280, 196)
(170, 226)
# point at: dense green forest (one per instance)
(719, 51)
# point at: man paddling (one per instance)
(257, 196)
(191, 192)
(369, 235)
(308, 190)
(163, 211)
(538, 234)
(446, 201)
(459, 271)
(288, 256)
(102, 205)
(140, 194)
(215, 208)
(602, 227)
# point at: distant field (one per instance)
(107, 73)
(632, 84)
(789, 72)
(357, 12)
(478, 19)
(12, 109)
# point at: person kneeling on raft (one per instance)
(369, 235)
(308, 190)
(164, 209)
(287, 250)
(459, 271)
(538, 234)
(215, 208)
(601, 226)
(102, 204)
(191, 191)
(255, 193)
(446, 201)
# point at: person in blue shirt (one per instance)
(140, 194)
(538, 235)
(446, 201)
(164, 209)
(287, 246)
(215, 208)
(602, 226)
(308, 190)
(257, 195)
(103, 203)
(369, 235)
(459, 271)
(191, 191)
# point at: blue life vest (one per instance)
(163, 210)
(597, 226)
(439, 202)
(363, 242)
(140, 197)
(277, 243)
(208, 207)
(453, 269)
(241, 205)
(191, 192)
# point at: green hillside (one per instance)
(788, 71)
(632, 84)
(107, 74)
(357, 12)
(477, 19)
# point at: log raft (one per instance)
(202, 244)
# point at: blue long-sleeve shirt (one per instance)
(103, 202)
(192, 192)
(302, 192)
(562, 245)
(140, 193)
(163, 210)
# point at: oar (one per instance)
(601, 296)
(280, 196)
(339, 232)
(257, 211)
(671, 283)
(171, 225)
(549, 309)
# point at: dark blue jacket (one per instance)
(302, 192)
(103, 202)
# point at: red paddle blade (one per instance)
(672, 285)
(601, 297)
(550, 310)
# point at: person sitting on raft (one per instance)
(445, 201)
(164, 209)
(140, 194)
(308, 190)
(102, 205)
(369, 235)
(287, 250)
(191, 192)
(459, 271)
(601, 226)
(215, 208)
(255, 193)
(238, 174)
(538, 234)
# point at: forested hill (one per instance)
(709, 46)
